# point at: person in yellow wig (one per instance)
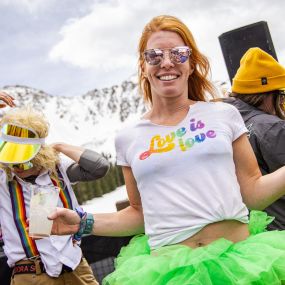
(258, 92)
(27, 162)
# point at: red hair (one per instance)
(198, 83)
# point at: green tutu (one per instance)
(260, 259)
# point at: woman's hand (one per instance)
(6, 99)
(65, 222)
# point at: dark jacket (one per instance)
(267, 138)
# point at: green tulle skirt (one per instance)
(260, 259)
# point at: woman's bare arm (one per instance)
(257, 191)
(128, 221)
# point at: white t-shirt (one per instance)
(185, 173)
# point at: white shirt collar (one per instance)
(43, 178)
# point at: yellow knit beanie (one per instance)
(259, 72)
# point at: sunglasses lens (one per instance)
(153, 56)
(23, 166)
(179, 54)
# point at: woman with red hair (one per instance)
(190, 174)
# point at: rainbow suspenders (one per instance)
(19, 210)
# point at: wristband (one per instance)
(89, 224)
(86, 223)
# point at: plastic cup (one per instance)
(44, 200)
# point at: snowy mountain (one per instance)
(91, 119)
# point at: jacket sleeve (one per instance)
(272, 146)
(90, 166)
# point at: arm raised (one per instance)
(89, 165)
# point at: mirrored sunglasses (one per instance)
(24, 166)
(177, 55)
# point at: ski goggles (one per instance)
(177, 55)
(18, 144)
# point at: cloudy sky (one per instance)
(68, 47)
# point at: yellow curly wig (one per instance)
(47, 158)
